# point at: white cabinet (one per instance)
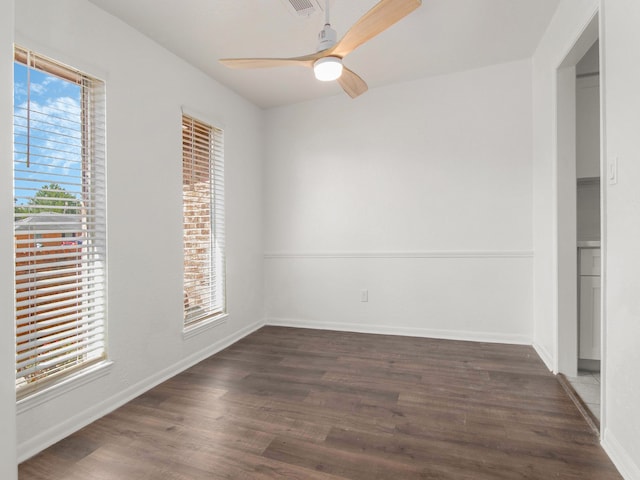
(590, 317)
(590, 261)
(589, 311)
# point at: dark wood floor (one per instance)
(305, 404)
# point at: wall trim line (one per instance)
(408, 254)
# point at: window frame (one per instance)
(210, 150)
(90, 252)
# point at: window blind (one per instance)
(203, 207)
(59, 220)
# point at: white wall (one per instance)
(570, 19)
(418, 192)
(146, 87)
(8, 469)
(620, 41)
(622, 116)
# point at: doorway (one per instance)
(579, 223)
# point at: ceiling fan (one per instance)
(327, 61)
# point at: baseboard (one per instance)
(544, 354)
(47, 438)
(625, 464)
(488, 337)
(406, 254)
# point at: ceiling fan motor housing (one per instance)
(327, 38)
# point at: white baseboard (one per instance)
(489, 337)
(401, 255)
(47, 438)
(625, 464)
(544, 354)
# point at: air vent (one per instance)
(302, 8)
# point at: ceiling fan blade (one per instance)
(304, 61)
(375, 21)
(352, 83)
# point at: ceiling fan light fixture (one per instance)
(327, 60)
(327, 69)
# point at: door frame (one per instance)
(566, 261)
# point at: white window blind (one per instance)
(59, 224)
(203, 205)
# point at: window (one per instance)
(203, 206)
(59, 220)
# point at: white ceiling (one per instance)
(442, 36)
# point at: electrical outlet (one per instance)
(364, 295)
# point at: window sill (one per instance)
(63, 386)
(203, 326)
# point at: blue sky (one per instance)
(54, 132)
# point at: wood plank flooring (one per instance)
(316, 405)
